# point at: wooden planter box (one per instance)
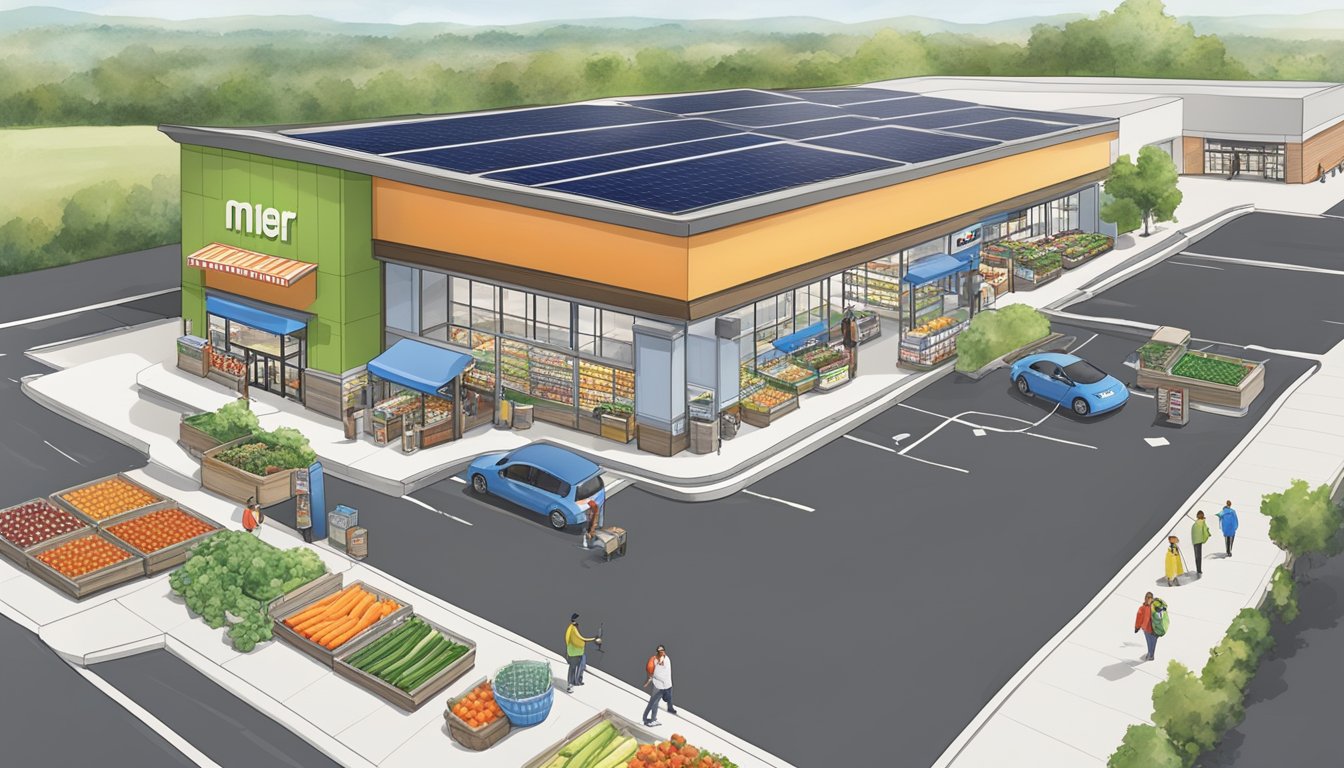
(1238, 398)
(90, 583)
(1074, 261)
(172, 555)
(759, 418)
(194, 440)
(618, 428)
(236, 484)
(324, 655)
(478, 739)
(415, 699)
(304, 594)
(626, 728)
(67, 506)
(18, 555)
(229, 380)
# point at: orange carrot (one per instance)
(334, 611)
(359, 626)
(336, 629)
(315, 608)
(362, 606)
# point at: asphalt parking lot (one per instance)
(1199, 290)
(1336, 210)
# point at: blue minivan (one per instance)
(544, 478)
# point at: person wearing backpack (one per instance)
(1152, 620)
(1199, 533)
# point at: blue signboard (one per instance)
(317, 490)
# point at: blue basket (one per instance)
(530, 711)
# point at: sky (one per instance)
(520, 11)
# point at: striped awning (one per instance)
(258, 266)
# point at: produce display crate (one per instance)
(304, 594)
(624, 727)
(194, 440)
(429, 689)
(830, 378)
(17, 554)
(478, 739)
(63, 504)
(170, 556)
(771, 370)
(618, 428)
(762, 417)
(1029, 277)
(90, 583)
(240, 485)
(323, 655)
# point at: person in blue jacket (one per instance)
(1228, 520)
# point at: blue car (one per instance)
(1070, 381)
(543, 478)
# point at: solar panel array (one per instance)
(678, 154)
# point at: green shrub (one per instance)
(1194, 715)
(1145, 746)
(230, 422)
(269, 452)
(1283, 594)
(1301, 521)
(997, 332)
(1232, 663)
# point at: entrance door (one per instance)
(264, 372)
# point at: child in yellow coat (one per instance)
(1175, 563)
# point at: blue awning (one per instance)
(250, 316)
(419, 366)
(795, 341)
(936, 268)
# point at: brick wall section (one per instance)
(1193, 149)
(1325, 148)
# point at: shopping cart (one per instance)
(612, 540)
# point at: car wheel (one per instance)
(478, 483)
(1023, 386)
(1081, 407)
(558, 521)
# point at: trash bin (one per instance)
(522, 416)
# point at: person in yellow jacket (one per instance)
(1175, 563)
(1199, 533)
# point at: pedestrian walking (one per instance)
(1175, 563)
(1236, 166)
(252, 516)
(1143, 622)
(1227, 520)
(659, 670)
(576, 652)
(849, 339)
(1199, 533)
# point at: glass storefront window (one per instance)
(434, 305)
(606, 334)
(402, 297)
(461, 306)
(484, 313)
(217, 338)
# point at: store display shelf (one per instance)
(327, 656)
(80, 587)
(409, 701)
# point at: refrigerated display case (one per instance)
(607, 401)
(829, 361)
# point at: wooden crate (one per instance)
(63, 504)
(170, 556)
(17, 554)
(304, 594)
(239, 485)
(90, 583)
(323, 655)
(478, 739)
(758, 418)
(415, 699)
(194, 440)
(625, 727)
(618, 428)
(1239, 397)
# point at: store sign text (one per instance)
(267, 222)
(966, 238)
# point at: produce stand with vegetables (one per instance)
(475, 719)
(257, 467)
(830, 362)
(82, 563)
(1209, 379)
(606, 739)
(103, 502)
(204, 431)
(408, 662)
(161, 535)
(324, 627)
(31, 524)
(934, 342)
(767, 404)
(783, 374)
(525, 691)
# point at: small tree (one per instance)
(1147, 188)
(1283, 594)
(1303, 522)
(1194, 715)
(1145, 747)
(1232, 663)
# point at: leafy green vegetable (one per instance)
(230, 422)
(236, 574)
(270, 452)
(523, 680)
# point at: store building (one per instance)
(631, 268)
(1277, 131)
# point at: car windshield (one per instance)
(1083, 372)
(589, 488)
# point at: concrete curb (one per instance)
(96, 426)
(1002, 360)
(973, 728)
(31, 353)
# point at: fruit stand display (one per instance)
(162, 536)
(80, 564)
(1032, 269)
(31, 524)
(408, 663)
(475, 720)
(608, 740)
(227, 369)
(104, 501)
(1229, 382)
(783, 374)
(1041, 261)
(258, 467)
(1079, 247)
(325, 627)
(830, 362)
(933, 342)
(767, 403)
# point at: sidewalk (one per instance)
(340, 719)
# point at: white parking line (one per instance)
(870, 444)
(902, 453)
(1023, 431)
(1084, 344)
(1332, 322)
(420, 503)
(459, 480)
(1196, 266)
(63, 453)
(781, 501)
(1265, 264)
(77, 310)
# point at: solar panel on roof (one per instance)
(776, 115)
(952, 117)
(1007, 130)
(701, 182)
(494, 156)
(904, 145)
(899, 107)
(819, 127)
(399, 137)
(693, 103)
(545, 174)
(847, 95)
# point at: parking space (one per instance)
(1305, 241)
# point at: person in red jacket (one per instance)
(252, 517)
(1144, 621)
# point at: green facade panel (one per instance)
(193, 307)
(191, 170)
(362, 294)
(361, 342)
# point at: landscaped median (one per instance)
(1192, 712)
(996, 333)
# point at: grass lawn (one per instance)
(41, 166)
(1209, 369)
